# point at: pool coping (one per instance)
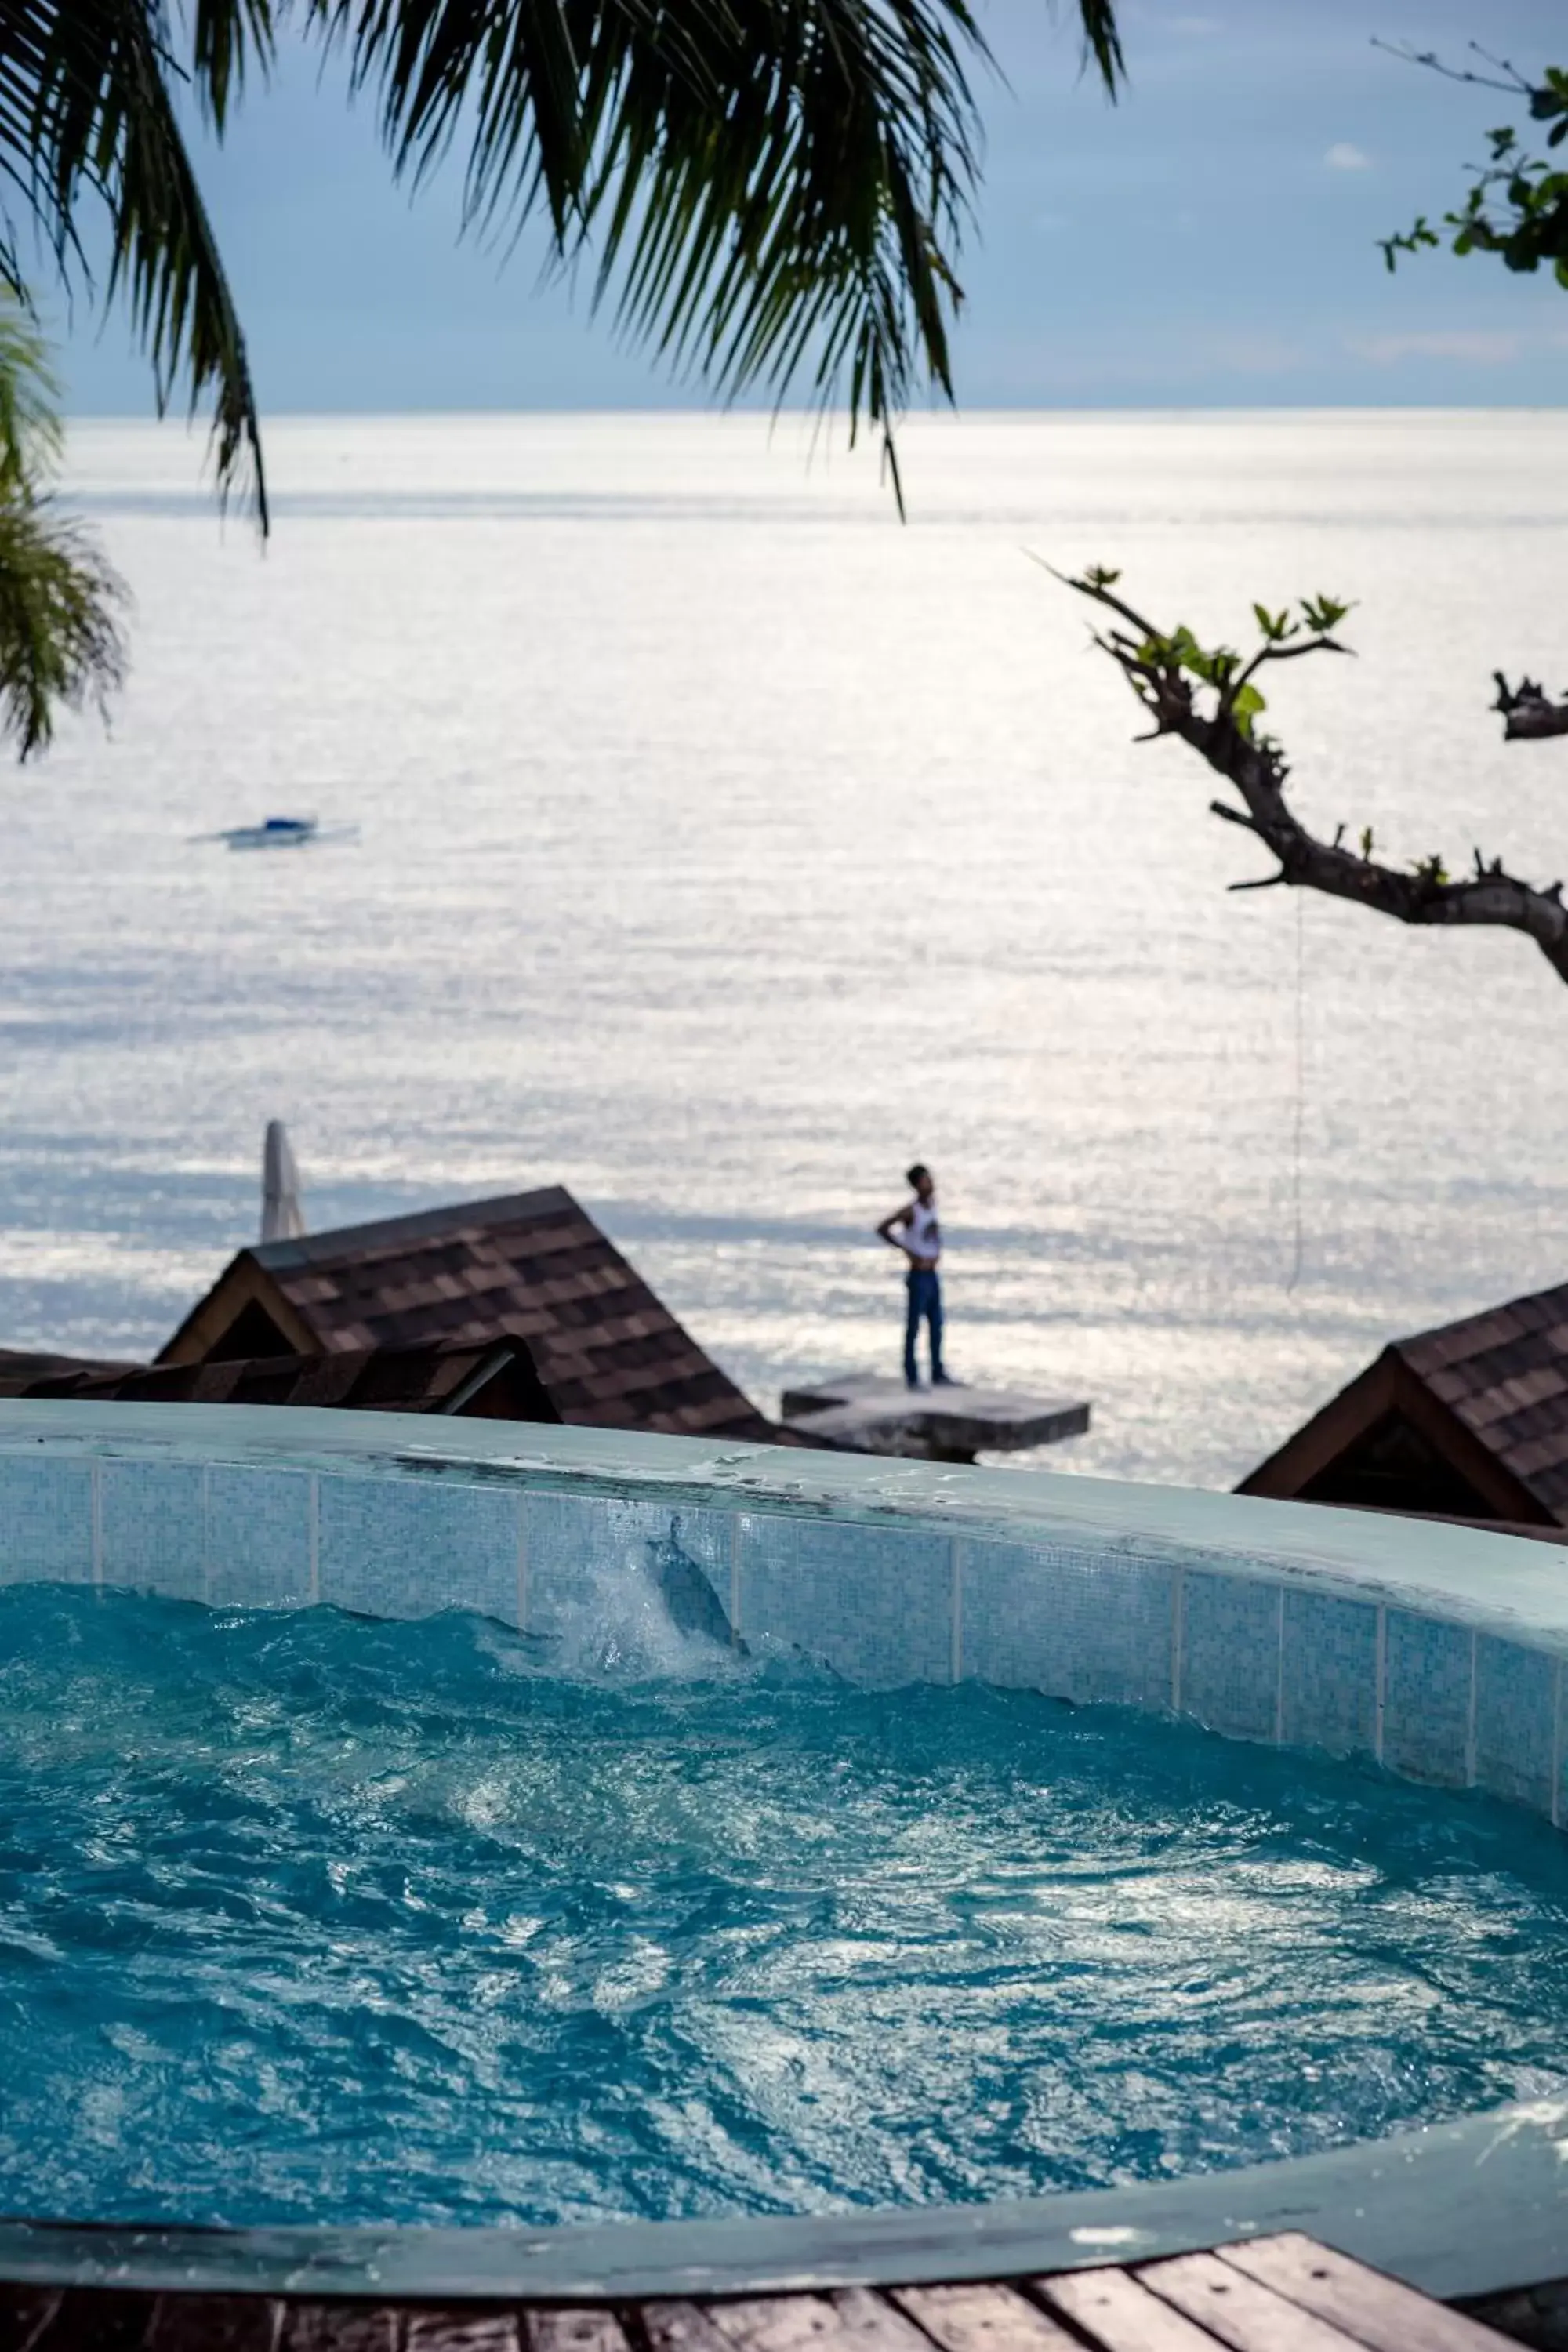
(1416, 2205)
(1364, 1555)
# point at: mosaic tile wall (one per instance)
(1252, 1656)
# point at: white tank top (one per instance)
(922, 1235)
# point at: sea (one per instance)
(726, 843)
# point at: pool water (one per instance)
(318, 1919)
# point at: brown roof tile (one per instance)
(609, 1351)
(1505, 1375)
(1548, 1451)
(496, 1378)
(20, 1368)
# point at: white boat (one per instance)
(282, 833)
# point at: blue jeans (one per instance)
(925, 1305)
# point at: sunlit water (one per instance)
(320, 1920)
(725, 844)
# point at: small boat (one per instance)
(281, 833)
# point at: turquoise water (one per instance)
(317, 1920)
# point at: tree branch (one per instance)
(1191, 692)
(1517, 204)
(1528, 712)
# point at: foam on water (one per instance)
(315, 1918)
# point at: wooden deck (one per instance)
(1284, 2293)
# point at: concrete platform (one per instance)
(866, 1415)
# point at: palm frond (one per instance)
(1102, 41)
(61, 643)
(31, 437)
(228, 36)
(87, 109)
(60, 598)
(777, 188)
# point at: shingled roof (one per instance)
(610, 1355)
(19, 1367)
(1467, 1420)
(492, 1380)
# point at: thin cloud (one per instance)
(1473, 346)
(1256, 354)
(1342, 157)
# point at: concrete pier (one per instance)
(866, 1414)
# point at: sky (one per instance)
(1209, 241)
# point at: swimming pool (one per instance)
(313, 1919)
(644, 1831)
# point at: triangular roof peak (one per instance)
(412, 1231)
(1484, 1399)
(610, 1354)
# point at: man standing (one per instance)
(914, 1230)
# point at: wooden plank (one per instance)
(873, 2325)
(24, 2313)
(778, 2322)
(853, 2320)
(338, 2327)
(981, 2319)
(1118, 2313)
(1375, 2309)
(464, 2328)
(98, 2319)
(1241, 2311)
(582, 2330)
(214, 2323)
(681, 2327)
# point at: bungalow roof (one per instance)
(609, 1353)
(1482, 1402)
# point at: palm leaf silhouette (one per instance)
(774, 189)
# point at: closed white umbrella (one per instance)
(282, 1210)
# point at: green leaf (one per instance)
(1245, 707)
(1322, 614)
(1517, 204)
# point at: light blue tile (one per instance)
(45, 1519)
(1426, 1705)
(1230, 1653)
(1516, 1722)
(258, 1538)
(1082, 1625)
(873, 1602)
(409, 1547)
(563, 1538)
(596, 1562)
(1329, 1695)
(154, 1527)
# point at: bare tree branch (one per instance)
(1207, 699)
(1514, 82)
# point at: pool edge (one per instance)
(1475, 2207)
